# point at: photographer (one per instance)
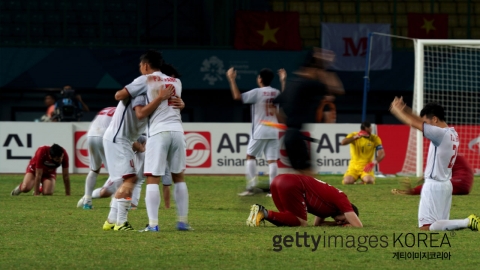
(70, 106)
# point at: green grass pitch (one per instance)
(51, 233)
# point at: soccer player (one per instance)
(166, 141)
(295, 195)
(436, 194)
(298, 102)
(42, 169)
(462, 180)
(96, 152)
(363, 145)
(263, 139)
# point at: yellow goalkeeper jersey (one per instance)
(363, 149)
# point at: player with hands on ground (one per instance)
(41, 172)
(263, 139)
(295, 195)
(436, 194)
(363, 145)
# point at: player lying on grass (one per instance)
(462, 180)
(363, 146)
(295, 195)
(436, 193)
(42, 169)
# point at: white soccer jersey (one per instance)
(125, 123)
(138, 86)
(261, 99)
(100, 124)
(442, 152)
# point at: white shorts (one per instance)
(96, 153)
(435, 202)
(111, 185)
(165, 149)
(269, 148)
(121, 158)
(140, 162)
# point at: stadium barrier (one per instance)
(212, 148)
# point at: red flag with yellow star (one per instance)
(267, 31)
(428, 26)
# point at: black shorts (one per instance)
(297, 149)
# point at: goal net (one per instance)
(447, 72)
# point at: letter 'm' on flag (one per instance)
(349, 43)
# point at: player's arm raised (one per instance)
(282, 74)
(404, 113)
(163, 94)
(353, 220)
(231, 75)
(66, 181)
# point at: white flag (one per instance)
(349, 42)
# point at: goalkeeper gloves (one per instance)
(361, 133)
(369, 166)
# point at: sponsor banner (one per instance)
(211, 148)
(20, 140)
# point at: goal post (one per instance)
(447, 71)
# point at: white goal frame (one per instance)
(419, 83)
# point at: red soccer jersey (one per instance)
(462, 174)
(324, 200)
(42, 160)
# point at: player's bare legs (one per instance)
(27, 183)
(368, 179)
(348, 180)
(181, 199)
(166, 196)
(48, 186)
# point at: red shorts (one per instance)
(45, 175)
(287, 194)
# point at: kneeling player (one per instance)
(296, 195)
(42, 169)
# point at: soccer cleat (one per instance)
(124, 227)
(248, 192)
(88, 206)
(257, 216)
(108, 226)
(150, 229)
(16, 191)
(183, 226)
(473, 222)
(399, 192)
(268, 195)
(80, 202)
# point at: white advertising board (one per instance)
(212, 148)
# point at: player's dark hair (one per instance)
(56, 150)
(153, 58)
(355, 209)
(53, 96)
(267, 76)
(365, 125)
(433, 109)
(170, 70)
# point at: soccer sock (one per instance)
(251, 172)
(273, 171)
(123, 206)
(137, 192)
(283, 218)
(448, 225)
(152, 201)
(181, 199)
(112, 216)
(90, 184)
(96, 193)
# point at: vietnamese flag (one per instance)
(256, 30)
(428, 26)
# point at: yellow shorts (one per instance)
(356, 171)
